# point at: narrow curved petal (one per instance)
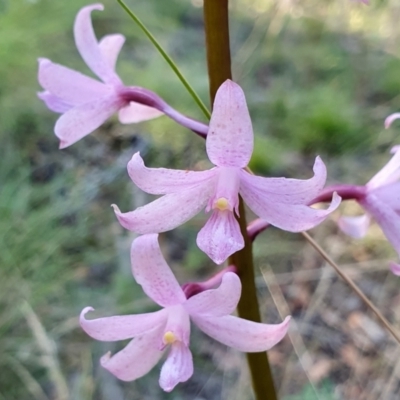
(163, 180)
(177, 368)
(88, 47)
(110, 46)
(121, 327)
(82, 120)
(217, 302)
(390, 173)
(230, 135)
(68, 85)
(395, 268)
(135, 112)
(390, 119)
(151, 271)
(285, 190)
(167, 212)
(241, 334)
(220, 237)
(355, 227)
(54, 103)
(386, 217)
(137, 358)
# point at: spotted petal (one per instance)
(230, 136)
(121, 327)
(163, 180)
(241, 334)
(177, 368)
(137, 358)
(153, 273)
(217, 302)
(88, 47)
(220, 237)
(167, 212)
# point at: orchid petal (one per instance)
(286, 190)
(68, 85)
(163, 180)
(151, 271)
(390, 119)
(177, 368)
(390, 173)
(220, 237)
(178, 207)
(230, 136)
(395, 268)
(88, 47)
(54, 103)
(386, 217)
(278, 211)
(389, 195)
(217, 302)
(121, 327)
(110, 46)
(137, 358)
(355, 227)
(135, 112)
(84, 119)
(241, 334)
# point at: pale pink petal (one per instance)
(135, 112)
(243, 335)
(84, 119)
(395, 268)
(390, 173)
(88, 47)
(54, 103)
(137, 358)
(220, 237)
(110, 46)
(167, 212)
(390, 119)
(177, 368)
(355, 227)
(178, 323)
(277, 210)
(389, 195)
(286, 190)
(217, 302)
(163, 180)
(151, 271)
(121, 327)
(230, 135)
(68, 85)
(386, 217)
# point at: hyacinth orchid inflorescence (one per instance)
(381, 200)
(280, 201)
(169, 328)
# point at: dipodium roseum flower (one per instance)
(85, 102)
(280, 201)
(382, 202)
(168, 330)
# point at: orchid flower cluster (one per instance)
(85, 103)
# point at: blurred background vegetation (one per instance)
(320, 77)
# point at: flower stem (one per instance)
(219, 70)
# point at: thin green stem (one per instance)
(219, 69)
(167, 58)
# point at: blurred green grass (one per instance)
(319, 79)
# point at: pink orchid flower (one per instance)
(382, 201)
(169, 327)
(85, 103)
(280, 201)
